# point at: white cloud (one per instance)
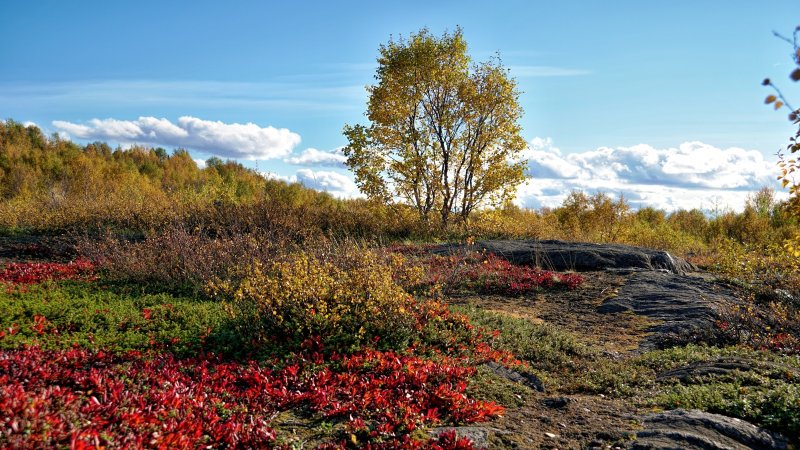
(201, 163)
(693, 175)
(337, 184)
(314, 157)
(277, 176)
(228, 140)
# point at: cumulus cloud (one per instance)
(314, 157)
(228, 140)
(692, 175)
(337, 184)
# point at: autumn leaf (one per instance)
(770, 99)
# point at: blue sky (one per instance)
(659, 100)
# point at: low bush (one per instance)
(772, 325)
(178, 259)
(543, 346)
(349, 296)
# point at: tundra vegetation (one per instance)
(149, 303)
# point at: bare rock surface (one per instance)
(684, 307)
(723, 366)
(659, 286)
(527, 379)
(698, 430)
(578, 256)
(699, 369)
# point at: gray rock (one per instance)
(720, 366)
(694, 430)
(557, 402)
(726, 365)
(684, 307)
(528, 379)
(578, 256)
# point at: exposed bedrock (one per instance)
(578, 256)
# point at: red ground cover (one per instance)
(488, 273)
(93, 399)
(33, 273)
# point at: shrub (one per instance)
(662, 236)
(178, 259)
(597, 218)
(348, 297)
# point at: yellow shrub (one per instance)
(347, 298)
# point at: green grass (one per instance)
(89, 315)
(488, 386)
(544, 346)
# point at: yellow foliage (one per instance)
(351, 295)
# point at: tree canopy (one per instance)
(443, 134)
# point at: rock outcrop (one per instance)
(578, 256)
(685, 308)
(724, 366)
(696, 430)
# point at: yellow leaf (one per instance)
(785, 182)
(778, 104)
(770, 99)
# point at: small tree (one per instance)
(790, 165)
(444, 134)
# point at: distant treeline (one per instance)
(51, 185)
